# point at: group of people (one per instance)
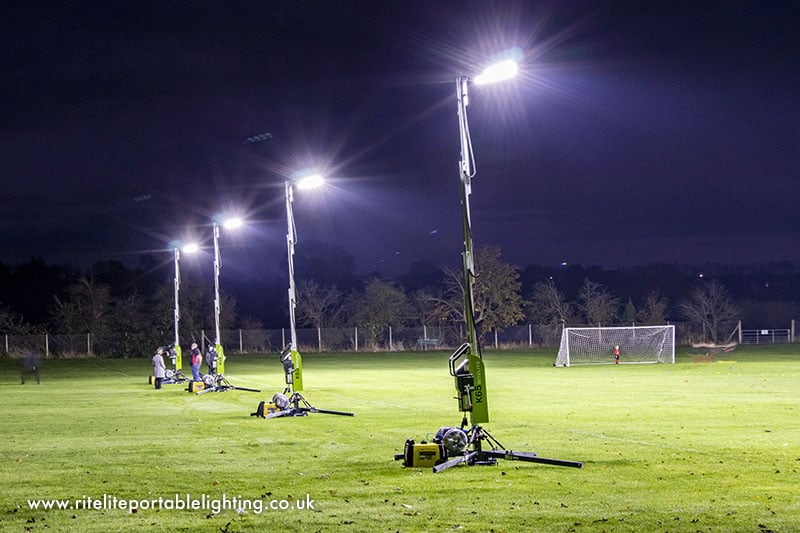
(196, 357)
(197, 360)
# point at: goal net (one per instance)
(600, 346)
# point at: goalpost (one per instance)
(597, 346)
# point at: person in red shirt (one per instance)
(197, 358)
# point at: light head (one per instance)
(501, 71)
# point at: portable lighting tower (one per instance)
(217, 382)
(291, 402)
(230, 223)
(453, 446)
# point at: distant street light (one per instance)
(309, 182)
(230, 223)
(478, 405)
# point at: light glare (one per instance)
(310, 182)
(232, 223)
(497, 72)
(190, 248)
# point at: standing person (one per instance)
(211, 360)
(197, 358)
(30, 367)
(158, 367)
(173, 356)
(616, 355)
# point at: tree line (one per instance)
(131, 308)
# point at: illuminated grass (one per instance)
(685, 447)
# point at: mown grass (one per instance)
(695, 446)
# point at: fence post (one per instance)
(424, 331)
(530, 335)
(283, 338)
(241, 344)
(46, 345)
(496, 346)
(356, 336)
(319, 339)
(203, 341)
(89, 344)
(391, 348)
(7, 339)
(792, 335)
(740, 332)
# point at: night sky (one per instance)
(636, 133)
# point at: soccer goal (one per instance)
(624, 345)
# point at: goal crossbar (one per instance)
(633, 344)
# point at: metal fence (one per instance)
(766, 336)
(353, 339)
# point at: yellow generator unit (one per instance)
(425, 455)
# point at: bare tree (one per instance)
(548, 306)
(85, 309)
(196, 307)
(654, 309)
(427, 305)
(135, 331)
(318, 305)
(598, 305)
(710, 309)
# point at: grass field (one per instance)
(695, 446)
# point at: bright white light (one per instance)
(190, 248)
(232, 223)
(497, 72)
(310, 182)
